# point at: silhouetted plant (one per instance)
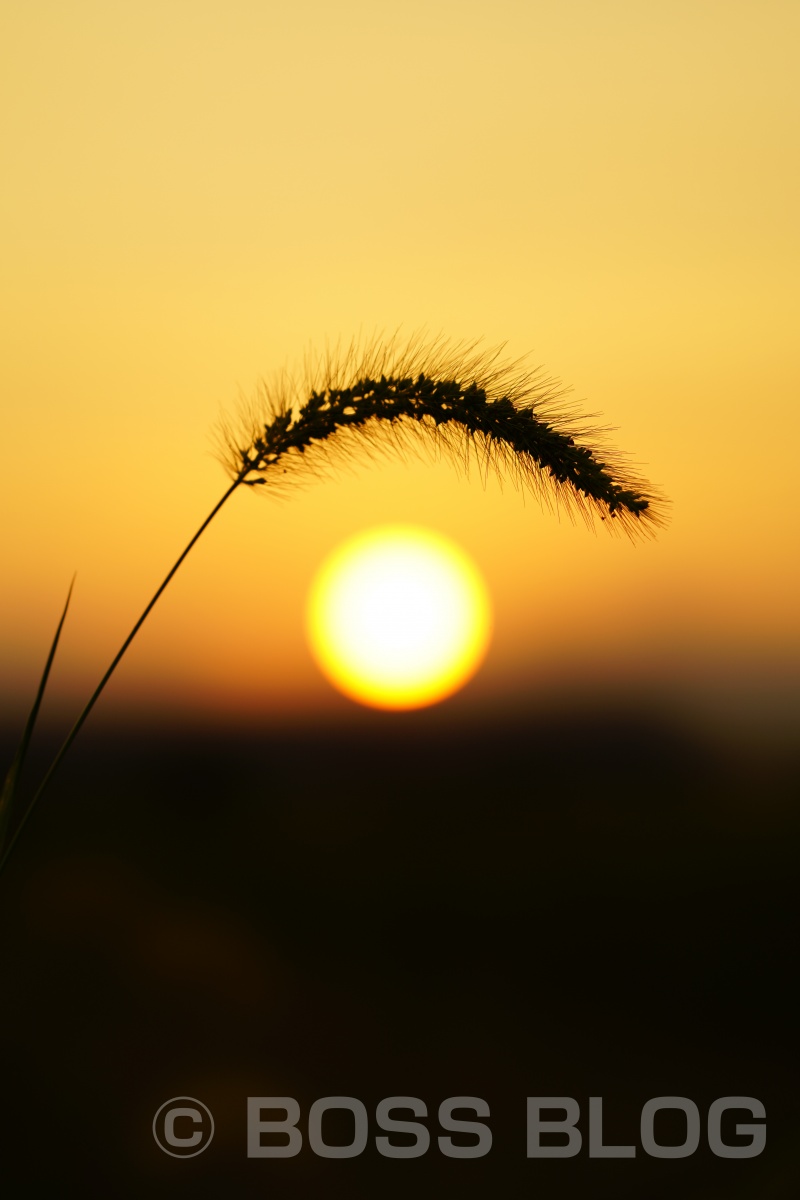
(451, 398)
(462, 401)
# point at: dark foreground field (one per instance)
(582, 905)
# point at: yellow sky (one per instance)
(195, 192)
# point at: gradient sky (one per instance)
(195, 192)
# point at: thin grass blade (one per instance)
(10, 838)
(12, 777)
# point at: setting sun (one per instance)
(398, 617)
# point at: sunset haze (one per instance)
(197, 193)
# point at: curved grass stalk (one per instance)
(457, 400)
(95, 696)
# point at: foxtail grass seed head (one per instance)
(451, 398)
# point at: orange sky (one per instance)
(195, 192)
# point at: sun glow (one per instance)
(398, 617)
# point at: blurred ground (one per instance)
(589, 903)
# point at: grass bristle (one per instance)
(454, 399)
